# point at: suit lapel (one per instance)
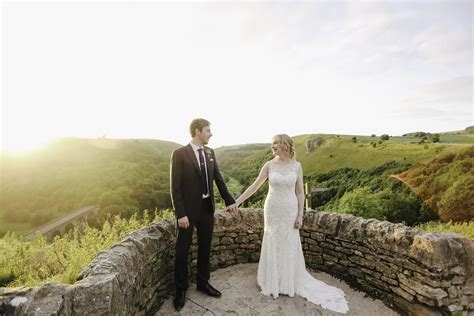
(192, 157)
(210, 167)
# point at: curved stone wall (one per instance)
(420, 273)
(417, 272)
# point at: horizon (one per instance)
(252, 69)
(211, 145)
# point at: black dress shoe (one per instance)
(179, 300)
(209, 290)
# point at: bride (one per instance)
(281, 269)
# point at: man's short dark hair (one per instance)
(199, 124)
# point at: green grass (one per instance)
(340, 152)
(444, 139)
(458, 139)
(466, 229)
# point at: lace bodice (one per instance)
(282, 176)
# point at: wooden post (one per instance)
(307, 188)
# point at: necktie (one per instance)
(203, 171)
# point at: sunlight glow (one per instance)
(23, 146)
(252, 69)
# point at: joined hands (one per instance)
(183, 222)
(231, 208)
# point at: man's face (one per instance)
(204, 135)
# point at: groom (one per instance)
(193, 172)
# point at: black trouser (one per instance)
(204, 224)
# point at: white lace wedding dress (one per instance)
(281, 269)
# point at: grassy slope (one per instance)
(362, 155)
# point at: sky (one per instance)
(145, 69)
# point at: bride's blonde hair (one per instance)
(288, 142)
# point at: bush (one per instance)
(389, 205)
(34, 262)
(435, 138)
(464, 228)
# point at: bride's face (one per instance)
(278, 149)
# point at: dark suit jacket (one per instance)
(186, 182)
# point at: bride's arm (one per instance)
(300, 191)
(254, 186)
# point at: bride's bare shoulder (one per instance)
(268, 162)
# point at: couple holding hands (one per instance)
(281, 268)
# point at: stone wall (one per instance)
(130, 278)
(420, 273)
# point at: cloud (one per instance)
(449, 100)
(455, 91)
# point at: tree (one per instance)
(435, 138)
(360, 202)
(384, 137)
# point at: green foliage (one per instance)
(122, 176)
(370, 194)
(393, 206)
(34, 262)
(463, 228)
(384, 137)
(435, 138)
(243, 163)
(459, 196)
(446, 183)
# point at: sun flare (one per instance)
(21, 147)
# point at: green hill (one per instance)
(446, 183)
(122, 176)
(323, 152)
(330, 152)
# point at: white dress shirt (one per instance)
(196, 153)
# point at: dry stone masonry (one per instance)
(418, 273)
